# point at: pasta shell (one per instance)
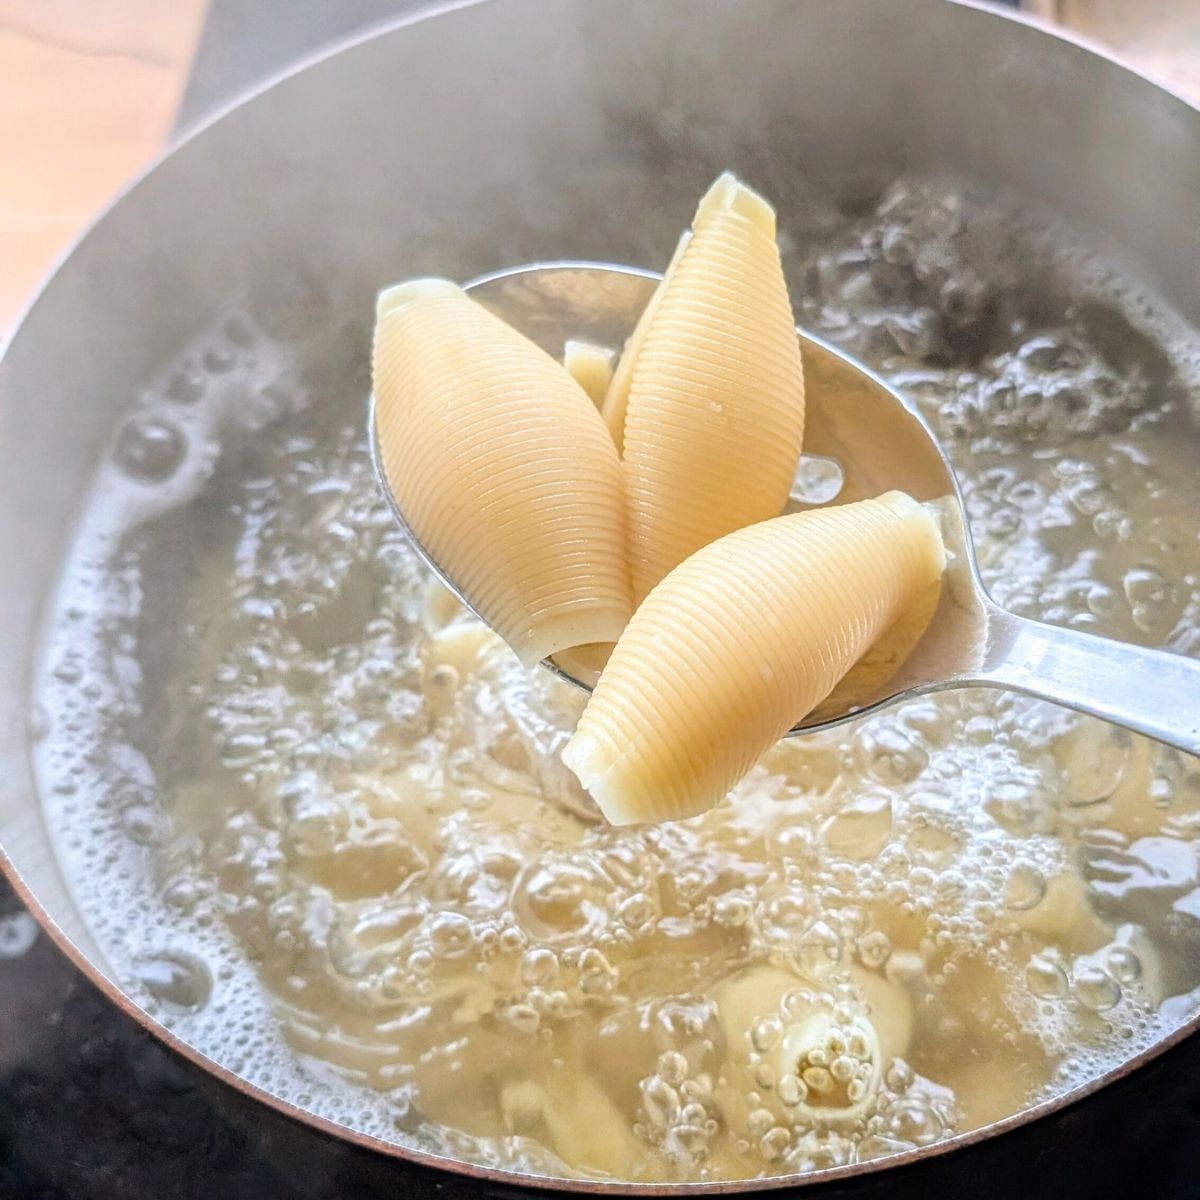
(591, 367)
(740, 642)
(503, 469)
(714, 413)
(616, 398)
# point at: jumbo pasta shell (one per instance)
(739, 643)
(714, 412)
(503, 469)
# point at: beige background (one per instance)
(1161, 36)
(89, 89)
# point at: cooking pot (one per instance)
(478, 135)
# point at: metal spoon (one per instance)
(856, 423)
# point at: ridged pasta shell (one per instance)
(616, 398)
(503, 469)
(714, 411)
(740, 642)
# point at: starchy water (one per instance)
(316, 817)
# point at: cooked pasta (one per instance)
(740, 642)
(591, 367)
(503, 469)
(712, 388)
(616, 399)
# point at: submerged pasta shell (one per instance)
(503, 469)
(738, 644)
(714, 412)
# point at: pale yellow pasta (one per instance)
(714, 414)
(740, 642)
(503, 469)
(810, 1034)
(616, 398)
(591, 367)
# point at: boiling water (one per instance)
(316, 815)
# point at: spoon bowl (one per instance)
(863, 438)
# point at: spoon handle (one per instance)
(1149, 691)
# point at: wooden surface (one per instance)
(89, 89)
(1161, 37)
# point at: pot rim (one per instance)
(421, 1158)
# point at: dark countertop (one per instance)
(92, 1106)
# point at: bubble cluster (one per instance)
(317, 818)
(896, 283)
(1050, 387)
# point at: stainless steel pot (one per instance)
(488, 133)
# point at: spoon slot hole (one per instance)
(818, 480)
